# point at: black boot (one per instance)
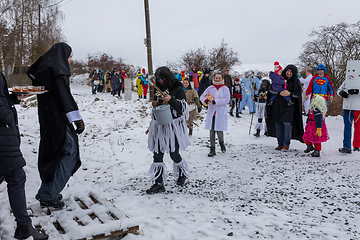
(25, 231)
(55, 203)
(309, 148)
(181, 179)
(257, 134)
(265, 133)
(231, 114)
(212, 152)
(238, 115)
(156, 188)
(315, 153)
(356, 149)
(344, 150)
(222, 146)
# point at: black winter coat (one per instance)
(280, 112)
(11, 158)
(203, 85)
(52, 70)
(176, 92)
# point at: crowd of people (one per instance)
(276, 103)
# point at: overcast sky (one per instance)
(261, 31)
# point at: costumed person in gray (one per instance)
(170, 137)
(59, 148)
(261, 98)
(12, 163)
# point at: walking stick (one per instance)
(253, 103)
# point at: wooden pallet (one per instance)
(87, 217)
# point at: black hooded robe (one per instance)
(280, 112)
(52, 70)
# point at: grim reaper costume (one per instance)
(59, 149)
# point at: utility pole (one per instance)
(148, 45)
(39, 32)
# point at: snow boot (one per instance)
(212, 152)
(222, 146)
(315, 153)
(257, 134)
(265, 133)
(55, 203)
(25, 231)
(231, 114)
(181, 179)
(356, 149)
(344, 150)
(190, 132)
(309, 148)
(238, 115)
(156, 188)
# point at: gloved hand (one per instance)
(353, 91)
(199, 109)
(255, 98)
(80, 126)
(318, 132)
(299, 75)
(213, 102)
(343, 94)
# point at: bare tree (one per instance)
(333, 46)
(223, 57)
(217, 58)
(192, 58)
(33, 26)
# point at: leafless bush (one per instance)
(216, 59)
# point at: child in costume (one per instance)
(236, 98)
(144, 80)
(139, 86)
(320, 84)
(261, 99)
(170, 137)
(192, 99)
(278, 83)
(315, 130)
(216, 118)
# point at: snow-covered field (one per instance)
(250, 192)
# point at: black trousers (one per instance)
(175, 156)
(16, 191)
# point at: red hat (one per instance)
(277, 67)
(123, 71)
(143, 70)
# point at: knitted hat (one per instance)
(277, 67)
(143, 70)
(321, 66)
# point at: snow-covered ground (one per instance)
(250, 192)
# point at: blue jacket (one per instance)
(246, 85)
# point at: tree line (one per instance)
(28, 28)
